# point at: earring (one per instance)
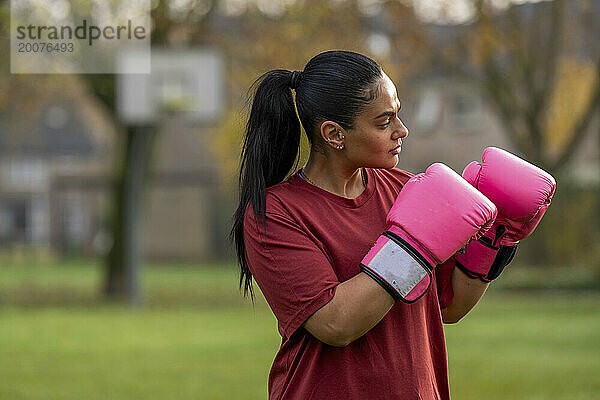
(341, 146)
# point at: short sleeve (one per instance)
(443, 276)
(293, 273)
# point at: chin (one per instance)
(392, 163)
(386, 161)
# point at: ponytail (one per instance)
(271, 143)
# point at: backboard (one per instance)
(186, 81)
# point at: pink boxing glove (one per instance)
(435, 214)
(522, 193)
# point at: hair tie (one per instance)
(295, 79)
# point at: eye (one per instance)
(389, 120)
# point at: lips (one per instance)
(396, 149)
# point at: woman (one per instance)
(304, 239)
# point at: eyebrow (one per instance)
(388, 113)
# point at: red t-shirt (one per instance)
(315, 240)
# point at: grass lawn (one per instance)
(195, 338)
(527, 347)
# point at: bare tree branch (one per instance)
(542, 97)
(504, 102)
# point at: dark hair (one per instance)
(334, 86)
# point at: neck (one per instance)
(330, 174)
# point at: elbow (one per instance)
(450, 318)
(334, 334)
(337, 337)
(338, 342)
(450, 321)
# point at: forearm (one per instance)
(357, 306)
(467, 293)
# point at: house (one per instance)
(59, 154)
(56, 158)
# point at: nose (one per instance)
(400, 132)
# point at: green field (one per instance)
(195, 338)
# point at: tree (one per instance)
(527, 58)
(137, 145)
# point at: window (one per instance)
(429, 109)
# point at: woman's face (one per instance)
(376, 139)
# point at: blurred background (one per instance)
(116, 193)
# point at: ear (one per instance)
(332, 133)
